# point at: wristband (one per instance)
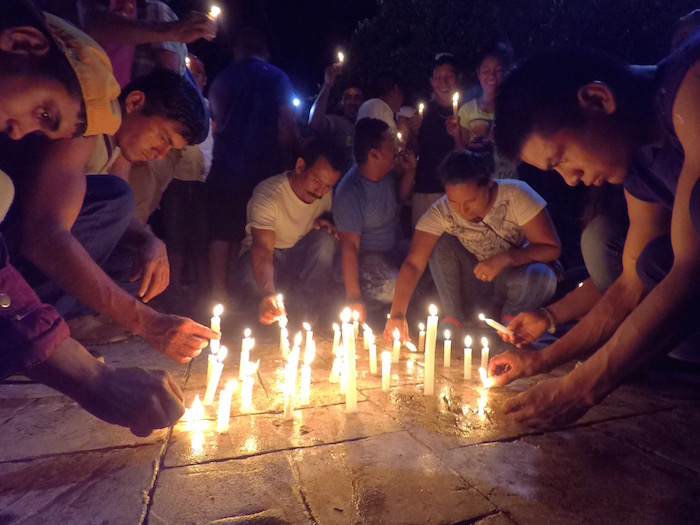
(552, 328)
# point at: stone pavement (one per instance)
(403, 458)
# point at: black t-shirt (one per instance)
(434, 144)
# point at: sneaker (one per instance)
(90, 330)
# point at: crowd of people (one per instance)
(122, 180)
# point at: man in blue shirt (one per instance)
(365, 212)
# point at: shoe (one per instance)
(90, 330)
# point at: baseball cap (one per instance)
(93, 70)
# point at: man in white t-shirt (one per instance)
(291, 241)
(387, 103)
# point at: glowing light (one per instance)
(309, 354)
(346, 315)
(247, 332)
(396, 334)
(221, 355)
(399, 136)
(297, 339)
(341, 57)
(447, 335)
(306, 326)
(484, 341)
(433, 309)
(296, 102)
(336, 327)
(214, 12)
(218, 310)
(482, 317)
(410, 346)
(487, 381)
(187, 62)
(355, 316)
(421, 108)
(468, 341)
(421, 327)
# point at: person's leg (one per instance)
(378, 275)
(525, 287)
(602, 242)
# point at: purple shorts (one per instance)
(30, 331)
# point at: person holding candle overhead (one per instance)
(290, 238)
(487, 243)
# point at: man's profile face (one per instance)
(587, 154)
(36, 105)
(351, 102)
(444, 84)
(385, 153)
(317, 179)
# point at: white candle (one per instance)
(366, 335)
(349, 344)
(484, 352)
(196, 412)
(495, 325)
(486, 381)
(356, 323)
(455, 103)
(214, 345)
(289, 379)
(447, 350)
(309, 336)
(224, 411)
(430, 342)
(213, 381)
(421, 337)
(246, 345)
(373, 358)
(467, 358)
(336, 337)
(210, 365)
(216, 320)
(386, 371)
(421, 107)
(396, 350)
(284, 333)
(337, 366)
(305, 388)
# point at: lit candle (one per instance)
(224, 412)
(210, 365)
(284, 341)
(396, 350)
(336, 337)
(484, 353)
(187, 62)
(386, 371)
(214, 12)
(399, 136)
(289, 380)
(216, 320)
(284, 333)
(213, 382)
(247, 386)
(349, 335)
(196, 412)
(246, 345)
(455, 103)
(356, 323)
(214, 345)
(467, 358)
(447, 350)
(337, 365)
(430, 342)
(495, 325)
(305, 387)
(366, 335)
(421, 108)
(421, 337)
(341, 57)
(309, 337)
(372, 357)
(486, 381)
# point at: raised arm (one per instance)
(318, 110)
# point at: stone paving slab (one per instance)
(578, 477)
(91, 488)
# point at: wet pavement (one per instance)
(403, 458)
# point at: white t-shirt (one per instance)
(516, 204)
(377, 108)
(274, 206)
(7, 193)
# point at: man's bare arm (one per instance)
(261, 255)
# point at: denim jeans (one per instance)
(303, 273)
(514, 290)
(107, 210)
(602, 242)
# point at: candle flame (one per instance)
(306, 326)
(468, 341)
(421, 327)
(455, 97)
(247, 332)
(421, 106)
(484, 341)
(396, 334)
(231, 386)
(345, 315)
(386, 356)
(341, 57)
(580, 285)
(399, 136)
(432, 309)
(487, 381)
(187, 61)
(482, 317)
(410, 346)
(336, 327)
(197, 411)
(218, 310)
(355, 315)
(280, 299)
(297, 339)
(215, 11)
(221, 355)
(283, 322)
(447, 335)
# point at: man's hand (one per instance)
(551, 403)
(359, 306)
(526, 328)
(454, 128)
(322, 222)
(153, 268)
(396, 322)
(180, 338)
(193, 27)
(406, 161)
(514, 364)
(488, 269)
(331, 72)
(271, 310)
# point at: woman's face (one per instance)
(469, 199)
(490, 75)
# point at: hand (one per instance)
(270, 310)
(322, 222)
(153, 268)
(526, 328)
(488, 269)
(180, 338)
(514, 364)
(359, 306)
(453, 127)
(406, 161)
(551, 403)
(193, 27)
(142, 400)
(396, 322)
(331, 72)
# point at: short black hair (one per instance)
(442, 59)
(466, 166)
(384, 82)
(541, 94)
(499, 50)
(173, 97)
(319, 147)
(367, 136)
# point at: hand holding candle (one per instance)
(495, 325)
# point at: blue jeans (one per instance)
(303, 273)
(107, 210)
(514, 290)
(602, 242)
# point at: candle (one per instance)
(289, 380)
(214, 345)
(284, 333)
(341, 57)
(213, 381)
(196, 412)
(366, 335)
(216, 320)
(214, 12)
(187, 62)
(337, 366)
(399, 136)
(467, 357)
(455, 103)
(372, 357)
(430, 342)
(224, 412)
(421, 337)
(305, 387)
(210, 365)
(386, 371)
(396, 350)
(349, 335)
(410, 346)
(336, 337)
(486, 381)
(356, 323)
(246, 345)
(421, 107)
(495, 325)
(484, 353)
(247, 386)
(447, 350)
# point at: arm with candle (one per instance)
(350, 257)
(317, 113)
(261, 256)
(411, 270)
